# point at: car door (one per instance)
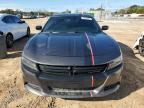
(11, 27)
(21, 26)
(3, 26)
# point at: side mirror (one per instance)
(105, 27)
(21, 22)
(38, 27)
(1, 33)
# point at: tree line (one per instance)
(21, 13)
(132, 9)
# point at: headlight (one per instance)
(29, 64)
(114, 63)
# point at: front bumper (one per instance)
(43, 85)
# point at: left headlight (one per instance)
(114, 63)
(29, 63)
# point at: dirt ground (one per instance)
(130, 95)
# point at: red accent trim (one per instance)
(92, 55)
(92, 81)
(92, 85)
(91, 94)
(93, 63)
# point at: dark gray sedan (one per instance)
(72, 58)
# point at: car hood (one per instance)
(71, 48)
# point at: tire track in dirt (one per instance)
(43, 102)
(11, 91)
(14, 93)
(35, 103)
(52, 104)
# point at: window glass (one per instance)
(8, 20)
(4, 19)
(15, 19)
(71, 24)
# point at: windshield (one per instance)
(71, 24)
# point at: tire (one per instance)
(9, 41)
(141, 51)
(141, 48)
(28, 32)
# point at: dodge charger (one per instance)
(72, 58)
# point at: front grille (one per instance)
(72, 70)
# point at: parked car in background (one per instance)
(26, 17)
(29, 16)
(139, 44)
(72, 58)
(40, 16)
(33, 17)
(13, 28)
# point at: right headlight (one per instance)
(114, 63)
(29, 63)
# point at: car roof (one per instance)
(72, 15)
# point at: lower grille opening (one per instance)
(69, 89)
(111, 86)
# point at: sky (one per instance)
(61, 5)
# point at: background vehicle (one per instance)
(29, 16)
(13, 28)
(139, 44)
(141, 47)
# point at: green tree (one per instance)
(132, 9)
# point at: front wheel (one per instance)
(9, 41)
